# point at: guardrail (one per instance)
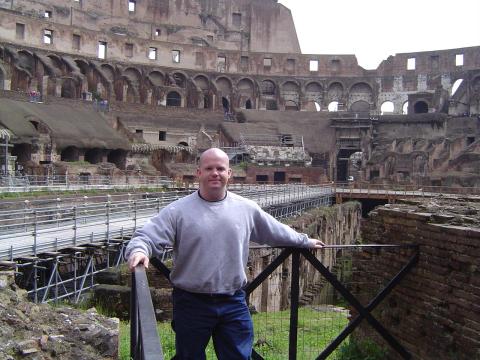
(343, 280)
(31, 230)
(29, 183)
(403, 189)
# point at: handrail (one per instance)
(144, 339)
(364, 312)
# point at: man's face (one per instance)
(213, 174)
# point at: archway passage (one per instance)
(343, 158)
(94, 156)
(118, 157)
(69, 154)
(248, 104)
(420, 107)
(174, 99)
(226, 105)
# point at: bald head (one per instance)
(213, 153)
(213, 174)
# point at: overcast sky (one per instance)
(375, 29)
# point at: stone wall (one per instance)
(434, 312)
(40, 331)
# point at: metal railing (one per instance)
(40, 227)
(362, 309)
(144, 339)
(402, 189)
(29, 183)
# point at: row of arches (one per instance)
(72, 77)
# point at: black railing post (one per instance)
(294, 300)
(133, 318)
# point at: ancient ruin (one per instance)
(141, 87)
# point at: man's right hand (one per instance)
(137, 258)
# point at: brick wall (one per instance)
(435, 311)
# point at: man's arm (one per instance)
(150, 240)
(268, 230)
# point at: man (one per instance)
(210, 231)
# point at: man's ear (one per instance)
(230, 172)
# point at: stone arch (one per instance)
(360, 91)
(174, 99)
(360, 106)
(180, 79)
(133, 75)
(405, 108)
(224, 84)
(202, 82)
(82, 65)
(108, 72)
(248, 104)
(26, 61)
(57, 62)
(335, 91)
(420, 107)
(455, 86)
(313, 87)
(245, 85)
(268, 87)
(290, 86)
(156, 78)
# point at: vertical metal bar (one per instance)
(294, 300)
(75, 226)
(133, 318)
(35, 231)
(35, 285)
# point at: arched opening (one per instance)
(291, 106)
(248, 104)
(333, 106)
(405, 108)
(23, 152)
(360, 107)
(317, 106)
(420, 107)
(94, 156)
(182, 143)
(174, 99)
(387, 108)
(68, 89)
(180, 80)
(225, 105)
(267, 87)
(118, 157)
(343, 162)
(455, 86)
(271, 105)
(69, 154)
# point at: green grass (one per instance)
(316, 329)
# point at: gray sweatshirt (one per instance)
(210, 240)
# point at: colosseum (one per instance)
(130, 86)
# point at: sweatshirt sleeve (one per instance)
(268, 230)
(154, 236)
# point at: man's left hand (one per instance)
(315, 244)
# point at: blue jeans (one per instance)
(225, 318)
